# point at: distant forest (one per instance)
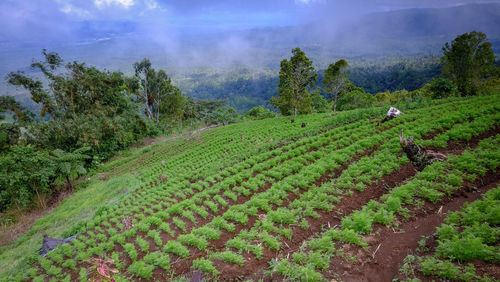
(244, 89)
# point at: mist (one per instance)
(187, 35)
(225, 41)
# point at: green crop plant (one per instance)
(231, 195)
(141, 269)
(205, 266)
(82, 275)
(166, 227)
(179, 223)
(143, 244)
(207, 232)
(360, 221)
(221, 223)
(158, 259)
(155, 235)
(193, 240)
(176, 248)
(220, 200)
(212, 206)
(116, 259)
(229, 256)
(319, 260)
(131, 251)
(153, 220)
(69, 263)
(269, 241)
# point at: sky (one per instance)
(29, 20)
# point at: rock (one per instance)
(51, 243)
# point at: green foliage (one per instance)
(176, 248)
(468, 58)
(335, 79)
(355, 99)
(205, 266)
(131, 251)
(259, 113)
(8, 103)
(229, 256)
(141, 269)
(319, 103)
(158, 259)
(296, 76)
(442, 88)
(360, 221)
(26, 174)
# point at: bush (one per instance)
(442, 88)
(354, 100)
(259, 113)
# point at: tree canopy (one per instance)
(335, 78)
(296, 77)
(468, 58)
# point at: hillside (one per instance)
(336, 199)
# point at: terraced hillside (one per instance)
(273, 200)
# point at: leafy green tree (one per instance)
(156, 92)
(468, 59)
(70, 165)
(144, 73)
(296, 77)
(82, 106)
(335, 79)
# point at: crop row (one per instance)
(466, 235)
(434, 182)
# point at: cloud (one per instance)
(151, 4)
(308, 1)
(68, 8)
(125, 3)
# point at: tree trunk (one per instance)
(149, 115)
(41, 201)
(295, 111)
(335, 103)
(69, 183)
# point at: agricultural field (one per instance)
(271, 200)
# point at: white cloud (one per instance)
(151, 4)
(73, 10)
(307, 1)
(125, 3)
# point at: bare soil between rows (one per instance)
(395, 245)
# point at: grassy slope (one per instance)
(124, 173)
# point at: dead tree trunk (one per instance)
(419, 156)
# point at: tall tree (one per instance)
(335, 78)
(468, 58)
(296, 77)
(143, 72)
(156, 91)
